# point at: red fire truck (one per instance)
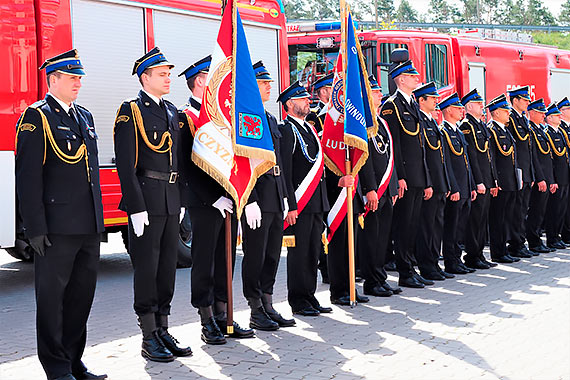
(455, 63)
(110, 35)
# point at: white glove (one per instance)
(224, 204)
(182, 213)
(253, 215)
(139, 220)
(286, 204)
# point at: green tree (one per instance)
(407, 13)
(536, 13)
(558, 39)
(441, 11)
(386, 9)
(471, 11)
(295, 10)
(564, 17)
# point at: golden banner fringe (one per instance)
(361, 221)
(332, 166)
(288, 241)
(325, 243)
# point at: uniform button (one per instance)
(52, 200)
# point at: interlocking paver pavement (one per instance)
(510, 322)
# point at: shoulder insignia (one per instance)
(181, 124)
(466, 131)
(27, 127)
(387, 112)
(122, 118)
(312, 122)
(38, 104)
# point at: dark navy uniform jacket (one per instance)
(559, 161)
(505, 164)
(478, 148)
(543, 154)
(459, 162)
(269, 189)
(403, 119)
(56, 197)
(437, 157)
(296, 166)
(519, 128)
(140, 193)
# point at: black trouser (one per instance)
(65, 281)
(455, 217)
(555, 211)
(302, 260)
(406, 222)
(476, 230)
(337, 259)
(500, 222)
(566, 225)
(520, 211)
(261, 253)
(154, 257)
(536, 212)
(428, 242)
(372, 244)
(208, 277)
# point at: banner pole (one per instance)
(350, 229)
(229, 266)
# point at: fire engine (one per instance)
(110, 35)
(455, 63)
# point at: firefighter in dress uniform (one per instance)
(208, 203)
(146, 138)
(262, 225)
(544, 178)
(503, 151)
(477, 136)
(372, 241)
(518, 126)
(564, 108)
(456, 211)
(401, 112)
(558, 201)
(300, 151)
(430, 234)
(59, 198)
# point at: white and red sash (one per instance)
(338, 210)
(307, 187)
(389, 168)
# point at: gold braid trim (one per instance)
(517, 132)
(166, 138)
(565, 137)
(80, 155)
(438, 147)
(556, 152)
(504, 153)
(414, 133)
(451, 144)
(475, 138)
(190, 124)
(543, 151)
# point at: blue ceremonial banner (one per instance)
(359, 120)
(252, 137)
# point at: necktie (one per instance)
(73, 114)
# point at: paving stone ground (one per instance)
(510, 322)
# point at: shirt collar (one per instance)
(427, 114)
(61, 103)
(500, 124)
(517, 112)
(301, 122)
(452, 125)
(155, 98)
(199, 100)
(406, 96)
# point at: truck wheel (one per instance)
(21, 251)
(184, 242)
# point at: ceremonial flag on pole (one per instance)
(233, 142)
(349, 121)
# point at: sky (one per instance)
(422, 5)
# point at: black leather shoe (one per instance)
(211, 333)
(503, 259)
(323, 309)
(515, 259)
(239, 332)
(523, 253)
(434, 276)
(476, 264)
(69, 376)
(390, 266)
(465, 267)
(557, 245)
(172, 344)
(361, 299)
(378, 291)
(424, 281)
(537, 250)
(89, 376)
(154, 350)
(445, 274)
(455, 269)
(259, 320)
(410, 282)
(281, 321)
(387, 286)
(343, 301)
(307, 312)
(485, 261)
